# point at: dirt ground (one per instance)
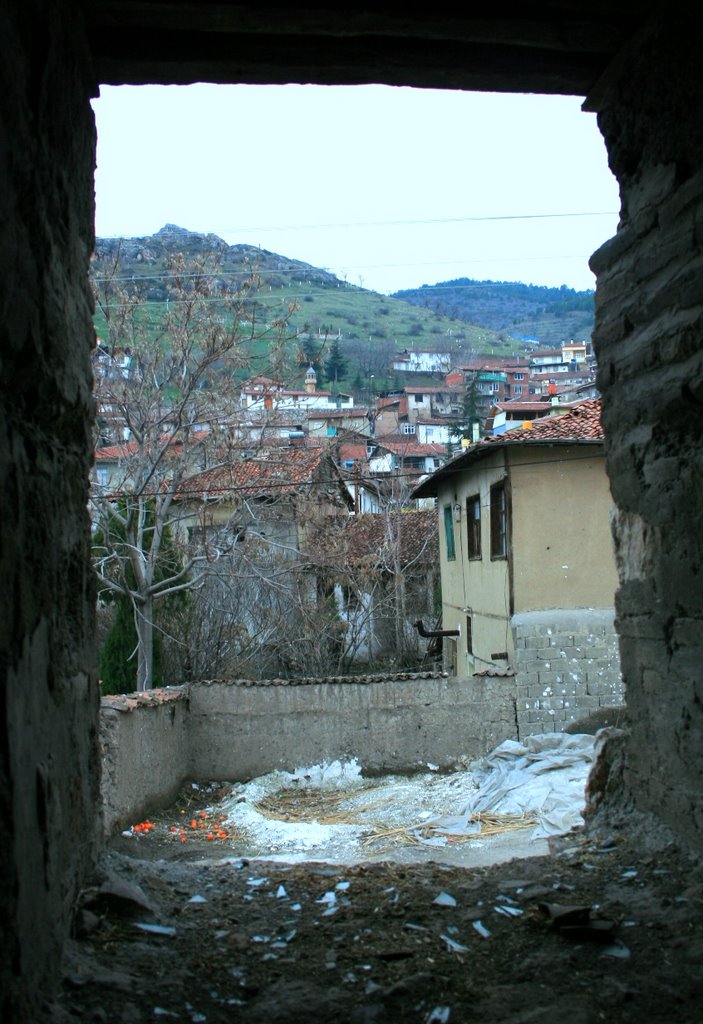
(608, 927)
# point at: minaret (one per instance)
(311, 380)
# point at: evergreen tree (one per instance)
(118, 659)
(311, 356)
(336, 365)
(465, 425)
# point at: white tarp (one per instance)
(543, 777)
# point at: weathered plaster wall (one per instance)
(145, 753)
(567, 667)
(48, 710)
(562, 547)
(649, 325)
(481, 585)
(152, 742)
(241, 731)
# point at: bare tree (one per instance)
(167, 387)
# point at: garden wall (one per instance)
(145, 753)
(236, 730)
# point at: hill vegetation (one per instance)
(519, 311)
(329, 320)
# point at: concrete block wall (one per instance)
(567, 666)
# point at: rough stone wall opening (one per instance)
(641, 76)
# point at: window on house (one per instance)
(496, 386)
(408, 428)
(102, 476)
(499, 521)
(449, 532)
(518, 389)
(419, 399)
(473, 525)
(518, 376)
(469, 636)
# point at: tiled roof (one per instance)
(369, 534)
(434, 389)
(561, 376)
(277, 472)
(145, 699)
(164, 695)
(407, 448)
(581, 425)
(288, 393)
(516, 405)
(358, 413)
(115, 452)
(350, 451)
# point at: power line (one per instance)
(251, 490)
(231, 274)
(464, 219)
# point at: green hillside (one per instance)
(520, 311)
(328, 319)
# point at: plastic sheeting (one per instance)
(544, 776)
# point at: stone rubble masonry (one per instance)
(567, 665)
(647, 340)
(235, 730)
(48, 660)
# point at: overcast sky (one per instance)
(386, 187)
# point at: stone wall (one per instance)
(649, 326)
(145, 753)
(153, 742)
(567, 667)
(49, 701)
(388, 725)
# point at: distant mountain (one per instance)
(145, 257)
(521, 311)
(370, 330)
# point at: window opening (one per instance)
(449, 533)
(499, 522)
(473, 525)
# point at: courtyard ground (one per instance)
(601, 927)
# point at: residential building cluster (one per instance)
(519, 501)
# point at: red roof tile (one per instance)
(372, 534)
(281, 472)
(581, 425)
(406, 447)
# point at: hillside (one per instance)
(369, 329)
(520, 311)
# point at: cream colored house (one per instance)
(525, 528)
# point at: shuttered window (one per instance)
(473, 525)
(499, 521)
(449, 533)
